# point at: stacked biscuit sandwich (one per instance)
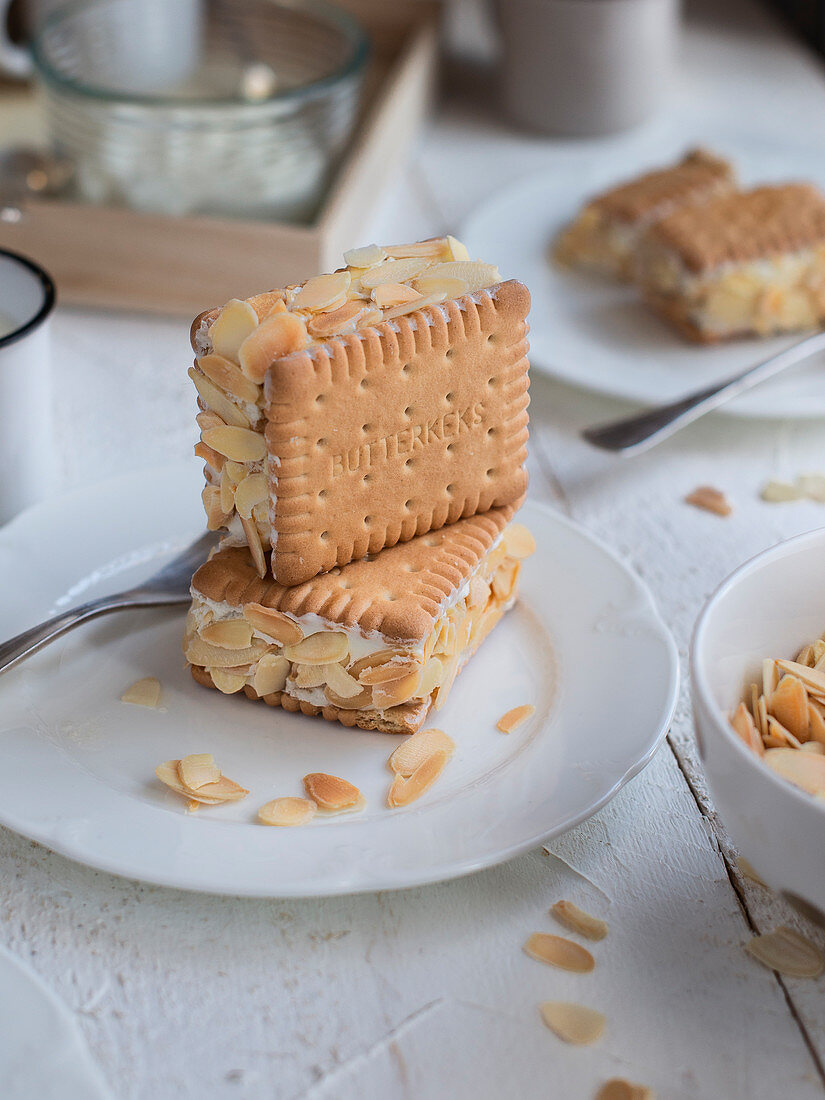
(364, 436)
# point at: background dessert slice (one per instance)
(604, 235)
(363, 407)
(373, 644)
(747, 263)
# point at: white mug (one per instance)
(26, 441)
(151, 44)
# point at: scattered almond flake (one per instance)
(560, 952)
(785, 951)
(287, 811)
(805, 487)
(788, 705)
(617, 1088)
(210, 793)
(710, 499)
(803, 769)
(411, 753)
(330, 793)
(197, 770)
(143, 693)
(573, 1023)
(748, 872)
(403, 791)
(515, 717)
(744, 725)
(577, 920)
(813, 680)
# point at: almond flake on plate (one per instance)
(331, 794)
(287, 811)
(710, 499)
(198, 767)
(577, 920)
(403, 791)
(573, 1023)
(515, 717)
(197, 770)
(143, 693)
(411, 753)
(560, 952)
(617, 1088)
(785, 951)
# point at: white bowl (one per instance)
(770, 607)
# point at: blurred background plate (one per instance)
(598, 335)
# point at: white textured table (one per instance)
(426, 993)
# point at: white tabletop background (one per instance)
(426, 993)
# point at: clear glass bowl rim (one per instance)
(324, 12)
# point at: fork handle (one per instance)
(30, 641)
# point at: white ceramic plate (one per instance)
(597, 334)
(42, 1050)
(585, 646)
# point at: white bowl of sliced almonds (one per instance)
(758, 685)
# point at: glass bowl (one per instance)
(177, 107)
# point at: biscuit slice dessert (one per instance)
(604, 235)
(373, 644)
(749, 263)
(363, 407)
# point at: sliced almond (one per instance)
(287, 811)
(813, 680)
(347, 318)
(344, 685)
(479, 592)
(361, 701)
(573, 1023)
(781, 736)
(253, 541)
(143, 693)
(322, 291)
(273, 624)
(505, 580)
(743, 724)
(197, 769)
(217, 401)
(804, 770)
(816, 725)
(330, 793)
(789, 705)
(309, 676)
(228, 634)
(431, 677)
(229, 377)
(208, 419)
(167, 773)
(271, 301)
(393, 294)
(210, 457)
(200, 652)
(778, 492)
(560, 952)
(228, 681)
(395, 692)
(761, 715)
(215, 515)
(805, 656)
(323, 648)
(412, 753)
(515, 717)
(279, 335)
(474, 273)
(396, 668)
(518, 541)
(447, 285)
(815, 747)
(239, 444)
(450, 671)
(393, 271)
(251, 491)
(785, 951)
(404, 791)
(270, 674)
(770, 677)
(367, 256)
(617, 1088)
(434, 247)
(577, 920)
(710, 500)
(411, 307)
(235, 322)
(458, 251)
(227, 490)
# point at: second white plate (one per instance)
(585, 646)
(597, 334)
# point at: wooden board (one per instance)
(113, 257)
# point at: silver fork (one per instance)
(166, 588)
(636, 433)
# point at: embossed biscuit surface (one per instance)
(399, 593)
(379, 436)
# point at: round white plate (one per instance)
(42, 1051)
(597, 334)
(585, 646)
